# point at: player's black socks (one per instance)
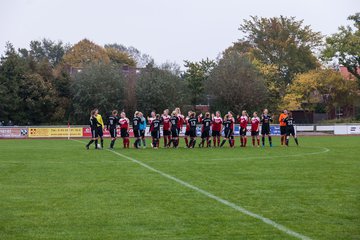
(194, 142)
(223, 142)
(176, 142)
(209, 143)
(191, 143)
(263, 140)
(270, 140)
(202, 142)
(144, 142)
(96, 144)
(90, 142)
(102, 142)
(296, 141)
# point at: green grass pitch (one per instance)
(55, 189)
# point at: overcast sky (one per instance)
(168, 30)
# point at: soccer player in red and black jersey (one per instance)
(187, 129)
(124, 128)
(181, 120)
(205, 130)
(243, 120)
(216, 128)
(94, 132)
(112, 123)
(255, 122)
(192, 122)
(155, 132)
(266, 119)
(165, 118)
(174, 130)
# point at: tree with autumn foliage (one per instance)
(85, 53)
(318, 89)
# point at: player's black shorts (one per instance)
(228, 132)
(216, 133)
(192, 133)
(124, 133)
(174, 132)
(265, 130)
(94, 133)
(205, 134)
(142, 133)
(166, 132)
(155, 134)
(290, 131)
(137, 133)
(282, 130)
(187, 133)
(254, 133)
(242, 131)
(113, 132)
(100, 131)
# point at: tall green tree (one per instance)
(97, 86)
(344, 46)
(195, 75)
(283, 42)
(236, 84)
(159, 88)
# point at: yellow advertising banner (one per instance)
(54, 132)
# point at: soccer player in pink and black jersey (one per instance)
(255, 122)
(216, 128)
(165, 119)
(243, 120)
(187, 129)
(124, 128)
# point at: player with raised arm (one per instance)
(255, 122)
(181, 120)
(228, 130)
(192, 122)
(124, 129)
(93, 127)
(290, 130)
(155, 132)
(282, 124)
(150, 119)
(266, 119)
(174, 130)
(205, 130)
(187, 129)
(165, 119)
(135, 124)
(111, 125)
(100, 127)
(243, 120)
(216, 128)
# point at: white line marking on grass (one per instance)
(324, 150)
(212, 196)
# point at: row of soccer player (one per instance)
(172, 125)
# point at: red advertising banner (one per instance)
(87, 132)
(14, 132)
